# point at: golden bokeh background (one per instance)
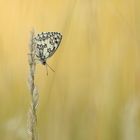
(94, 92)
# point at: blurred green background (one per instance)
(94, 92)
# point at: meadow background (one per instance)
(94, 92)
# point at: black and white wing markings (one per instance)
(46, 45)
(54, 40)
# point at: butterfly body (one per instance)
(46, 43)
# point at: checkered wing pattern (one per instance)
(46, 44)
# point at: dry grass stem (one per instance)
(32, 120)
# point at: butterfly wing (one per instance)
(54, 40)
(47, 43)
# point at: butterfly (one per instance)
(46, 43)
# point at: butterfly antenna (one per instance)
(47, 70)
(50, 67)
